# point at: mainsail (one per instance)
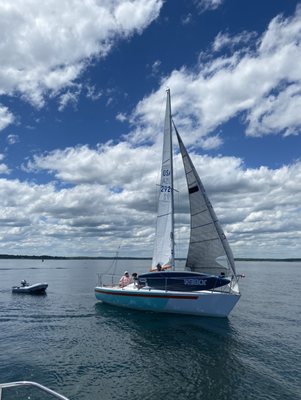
(164, 241)
(208, 246)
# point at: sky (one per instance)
(82, 101)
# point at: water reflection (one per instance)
(197, 354)
(127, 318)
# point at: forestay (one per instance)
(209, 251)
(164, 240)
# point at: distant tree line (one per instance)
(46, 257)
(268, 259)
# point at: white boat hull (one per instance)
(202, 303)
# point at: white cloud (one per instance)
(92, 92)
(136, 15)
(121, 117)
(205, 5)
(112, 200)
(277, 113)
(12, 139)
(262, 85)
(4, 170)
(69, 98)
(45, 46)
(156, 67)
(85, 219)
(223, 40)
(108, 165)
(6, 117)
(187, 19)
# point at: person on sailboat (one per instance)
(135, 279)
(159, 267)
(125, 279)
(134, 276)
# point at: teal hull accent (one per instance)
(132, 300)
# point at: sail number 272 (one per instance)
(165, 188)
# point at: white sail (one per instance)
(164, 240)
(209, 251)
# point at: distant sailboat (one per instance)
(209, 284)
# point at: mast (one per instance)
(164, 239)
(172, 236)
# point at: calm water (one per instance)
(88, 350)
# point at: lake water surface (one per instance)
(87, 350)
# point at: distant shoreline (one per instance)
(269, 259)
(8, 256)
(45, 257)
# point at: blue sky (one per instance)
(82, 100)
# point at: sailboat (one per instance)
(209, 284)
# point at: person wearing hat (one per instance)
(125, 279)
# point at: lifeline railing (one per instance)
(108, 279)
(112, 280)
(34, 384)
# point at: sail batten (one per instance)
(199, 212)
(163, 215)
(200, 226)
(204, 240)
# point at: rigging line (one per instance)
(114, 262)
